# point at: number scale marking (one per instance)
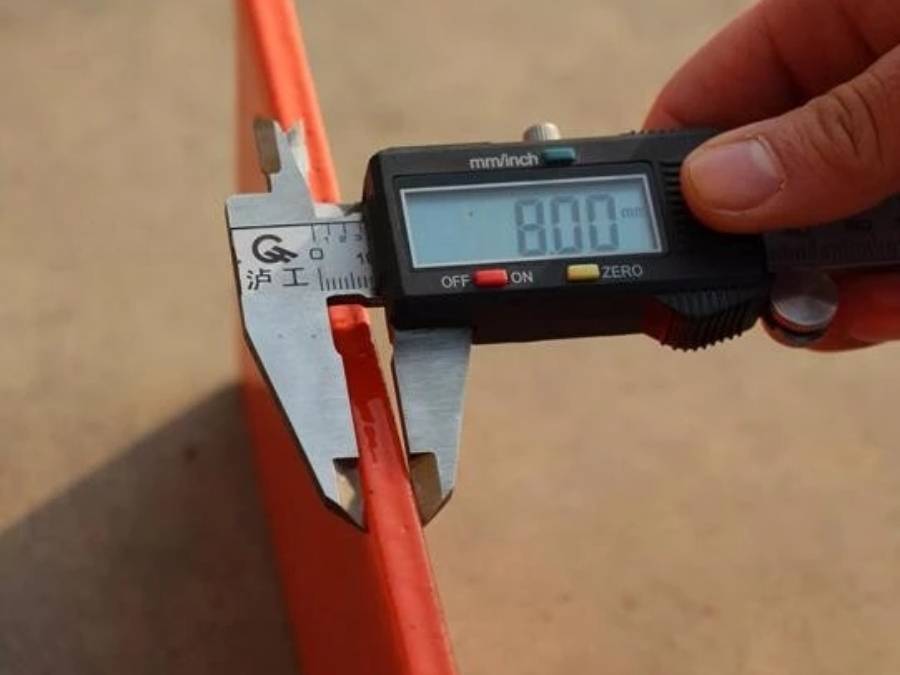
(311, 262)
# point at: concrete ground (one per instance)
(621, 509)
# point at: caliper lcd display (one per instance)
(530, 220)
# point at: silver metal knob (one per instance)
(802, 306)
(545, 131)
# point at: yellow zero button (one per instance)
(583, 273)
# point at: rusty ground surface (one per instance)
(621, 508)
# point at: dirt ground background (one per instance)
(621, 509)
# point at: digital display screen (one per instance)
(530, 220)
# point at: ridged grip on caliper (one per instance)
(698, 319)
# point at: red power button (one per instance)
(496, 278)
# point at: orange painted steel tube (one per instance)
(359, 602)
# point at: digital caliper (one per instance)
(507, 242)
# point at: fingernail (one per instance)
(736, 176)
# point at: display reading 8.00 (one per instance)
(539, 220)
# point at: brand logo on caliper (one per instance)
(272, 254)
(505, 161)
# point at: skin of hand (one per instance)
(811, 89)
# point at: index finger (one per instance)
(775, 57)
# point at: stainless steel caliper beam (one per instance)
(292, 258)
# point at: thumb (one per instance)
(836, 156)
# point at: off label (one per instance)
(450, 281)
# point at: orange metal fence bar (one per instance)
(359, 602)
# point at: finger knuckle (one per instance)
(851, 132)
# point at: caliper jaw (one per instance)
(430, 368)
(284, 309)
(291, 257)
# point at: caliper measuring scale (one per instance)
(508, 242)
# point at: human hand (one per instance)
(812, 90)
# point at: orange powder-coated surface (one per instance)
(359, 601)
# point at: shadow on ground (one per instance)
(155, 563)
